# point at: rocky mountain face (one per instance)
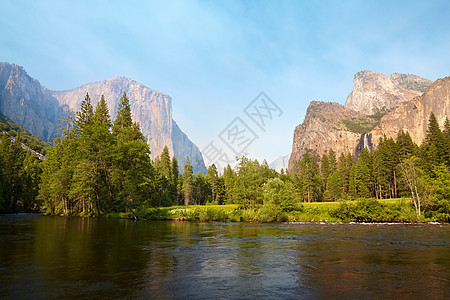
(377, 106)
(326, 126)
(37, 109)
(27, 103)
(412, 116)
(373, 92)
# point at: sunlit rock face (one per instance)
(38, 109)
(413, 116)
(373, 92)
(377, 106)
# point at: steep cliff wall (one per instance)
(373, 92)
(37, 109)
(412, 116)
(325, 127)
(377, 106)
(27, 103)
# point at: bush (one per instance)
(279, 195)
(365, 210)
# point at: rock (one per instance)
(412, 116)
(37, 109)
(27, 103)
(377, 106)
(281, 162)
(373, 92)
(324, 128)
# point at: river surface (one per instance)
(44, 257)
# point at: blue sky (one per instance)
(214, 57)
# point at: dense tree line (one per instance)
(99, 166)
(396, 168)
(19, 175)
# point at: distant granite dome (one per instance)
(280, 163)
(37, 109)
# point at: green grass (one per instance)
(362, 210)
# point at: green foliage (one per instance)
(417, 85)
(279, 195)
(311, 180)
(335, 189)
(92, 171)
(188, 181)
(360, 125)
(19, 176)
(248, 181)
(365, 210)
(15, 130)
(123, 118)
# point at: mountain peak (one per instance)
(374, 92)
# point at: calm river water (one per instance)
(43, 257)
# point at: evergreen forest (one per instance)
(100, 166)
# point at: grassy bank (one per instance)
(362, 210)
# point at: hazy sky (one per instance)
(214, 57)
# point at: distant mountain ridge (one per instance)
(281, 162)
(38, 109)
(377, 106)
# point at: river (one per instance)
(44, 257)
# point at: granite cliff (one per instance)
(38, 109)
(27, 103)
(377, 106)
(412, 116)
(373, 92)
(152, 109)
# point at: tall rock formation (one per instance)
(373, 92)
(377, 106)
(328, 125)
(37, 109)
(413, 116)
(27, 103)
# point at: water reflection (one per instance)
(52, 257)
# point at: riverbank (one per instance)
(362, 210)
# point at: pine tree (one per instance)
(200, 191)
(325, 166)
(174, 181)
(446, 137)
(362, 181)
(334, 184)
(229, 179)
(84, 116)
(385, 161)
(332, 160)
(165, 163)
(188, 179)
(344, 167)
(165, 178)
(101, 113)
(434, 134)
(309, 172)
(405, 145)
(123, 118)
(212, 177)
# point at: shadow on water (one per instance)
(52, 257)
